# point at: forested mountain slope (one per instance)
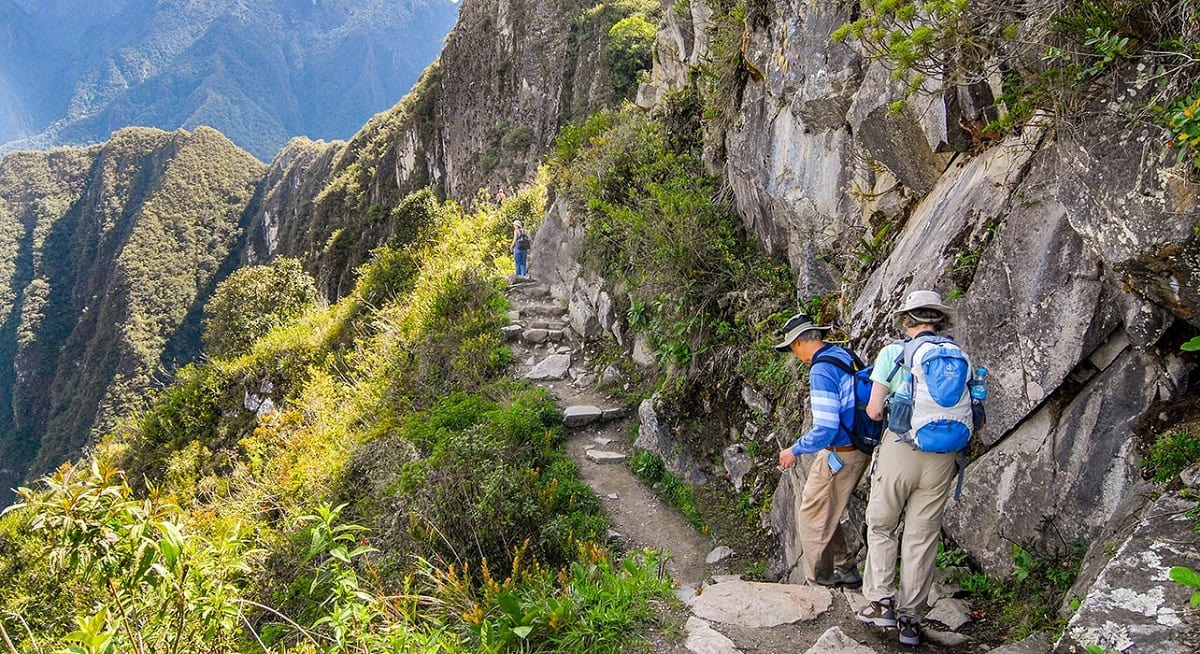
(107, 252)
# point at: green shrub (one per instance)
(697, 283)
(629, 51)
(1028, 600)
(253, 300)
(1172, 453)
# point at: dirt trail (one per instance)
(635, 511)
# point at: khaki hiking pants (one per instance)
(913, 485)
(819, 514)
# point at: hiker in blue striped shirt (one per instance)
(834, 474)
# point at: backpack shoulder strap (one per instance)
(911, 345)
(837, 363)
(900, 360)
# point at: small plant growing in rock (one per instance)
(1188, 577)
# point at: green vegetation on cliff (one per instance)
(362, 478)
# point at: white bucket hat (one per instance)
(794, 327)
(925, 300)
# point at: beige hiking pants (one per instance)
(913, 485)
(820, 514)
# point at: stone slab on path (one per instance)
(535, 335)
(756, 605)
(552, 368)
(703, 639)
(835, 641)
(954, 613)
(604, 456)
(581, 415)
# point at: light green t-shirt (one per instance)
(885, 362)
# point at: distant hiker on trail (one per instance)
(520, 248)
(834, 474)
(501, 196)
(927, 385)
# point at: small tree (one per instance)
(630, 50)
(252, 301)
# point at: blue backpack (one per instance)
(932, 408)
(864, 432)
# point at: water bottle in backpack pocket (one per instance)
(900, 408)
(978, 389)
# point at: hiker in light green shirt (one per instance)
(905, 483)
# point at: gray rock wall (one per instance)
(1069, 250)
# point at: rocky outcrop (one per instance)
(791, 155)
(1134, 606)
(1070, 254)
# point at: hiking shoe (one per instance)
(847, 578)
(910, 631)
(880, 614)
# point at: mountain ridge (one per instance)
(259, 72)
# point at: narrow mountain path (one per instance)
(724, 614)
(599, 446)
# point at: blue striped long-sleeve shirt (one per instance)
(831, 394)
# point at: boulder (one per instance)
(553, 255)
(718, 554)
(1134, 606)
(642, 354)
(703, 639)
(534, 335)
(954, 613)
(654, 436)
(552, 368)
(604, 311)
(835, 641)
(1068, 464)
(604, 456)
(758, 605)
(752, 399)
(583, 315)
(738, 463)
(511, 332)
(951, 639)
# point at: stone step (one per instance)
(540, 335)
(604, 456)
(581, 415)
(552, 368)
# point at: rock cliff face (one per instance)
(1071, 252)
(510, 75)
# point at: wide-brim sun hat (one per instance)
(516, 223)
(794, 327)
(925, 300)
